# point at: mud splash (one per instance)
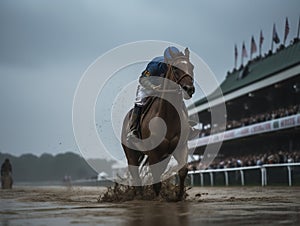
(122, 193)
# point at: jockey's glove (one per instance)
(154, 87)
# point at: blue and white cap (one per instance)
(170, 53)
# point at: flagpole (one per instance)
(251, 50)
(244, 53)
(235, 56)
(253, 47)
(235, 63)
(272, 38)
(242, 59)
(284, 39)
(298, 28)
(272, 45)
(286, 30)
(260, 44)
(261, 39)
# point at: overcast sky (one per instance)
(46, 45)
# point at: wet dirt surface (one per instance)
(203, 206)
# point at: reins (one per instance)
(174, 79)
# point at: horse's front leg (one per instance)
(133, 167)
(158, 162)
(156, 171)
(182, 175)
(136, 179)
(181, 155)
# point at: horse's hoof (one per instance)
(157, 198)
(139, 192)
(181, 196)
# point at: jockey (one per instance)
(157, 67)
(6, 168)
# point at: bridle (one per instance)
(177, 80)
(173, 78)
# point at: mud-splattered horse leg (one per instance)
(158, 165)
(136, 179)
(182, 175)
(133, 167)
(156, 171)
(181, 157)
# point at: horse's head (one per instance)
(182, 72)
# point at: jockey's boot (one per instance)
(134, 122)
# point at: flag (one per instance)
(235, 55)
(261, 40)
(253, 47)
(244, 51)
(286, 30)
(275, 35)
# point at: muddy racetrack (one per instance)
(203, 206)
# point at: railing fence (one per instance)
(263, 173)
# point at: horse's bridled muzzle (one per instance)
(189, 90)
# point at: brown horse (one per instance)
(164, 127)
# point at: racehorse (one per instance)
(168, 106)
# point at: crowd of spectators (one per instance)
(232, 124)
(248, 160)
(278, 113)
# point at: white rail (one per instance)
(250, 130)
(263, 169)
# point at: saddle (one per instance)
(148, 103)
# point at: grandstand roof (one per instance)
(258, 69)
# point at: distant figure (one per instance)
(67, 181)
(6, 175)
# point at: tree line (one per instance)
(31, 168)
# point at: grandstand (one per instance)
(262, 100)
